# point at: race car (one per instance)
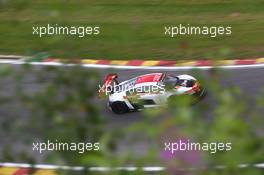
(147, 91)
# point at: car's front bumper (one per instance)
(201, 93)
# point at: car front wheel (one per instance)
(119, 107)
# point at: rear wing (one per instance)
(107, 86)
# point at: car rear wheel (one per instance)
(119, 107)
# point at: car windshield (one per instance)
(170, 81)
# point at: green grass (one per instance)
(134, 28)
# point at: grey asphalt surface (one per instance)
(250, 80)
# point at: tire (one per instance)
(119, 107)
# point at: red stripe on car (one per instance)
(149, 78)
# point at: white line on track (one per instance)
(104, 169)
(18, 62)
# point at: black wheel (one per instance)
(119, 107)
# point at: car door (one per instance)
(142, 97)
(151, 97)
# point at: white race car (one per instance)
(146, 91)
